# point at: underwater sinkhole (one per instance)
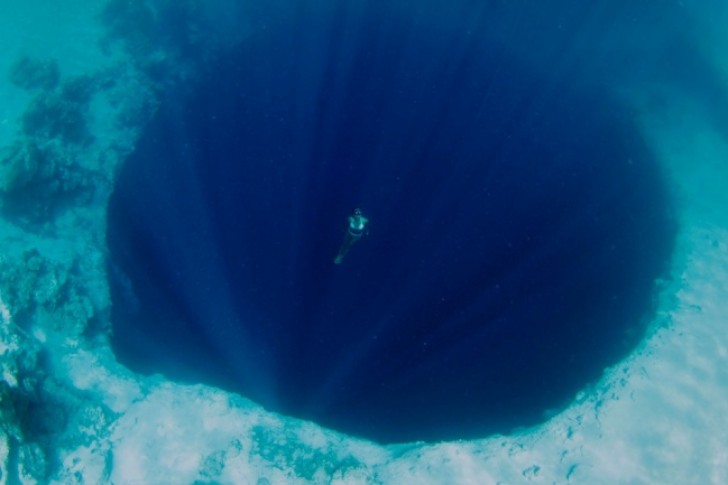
(517, 226)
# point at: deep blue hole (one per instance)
(517, 227)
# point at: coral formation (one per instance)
(32, 74)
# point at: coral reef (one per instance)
(41, 177)
(54, 178)
(61, 115)
(32, 74)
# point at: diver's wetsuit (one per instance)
(356, 232)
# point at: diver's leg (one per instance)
(343, 249)
(349, 241)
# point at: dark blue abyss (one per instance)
(517, 227)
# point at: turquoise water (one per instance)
(538, 295)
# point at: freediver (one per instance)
(354, 232)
